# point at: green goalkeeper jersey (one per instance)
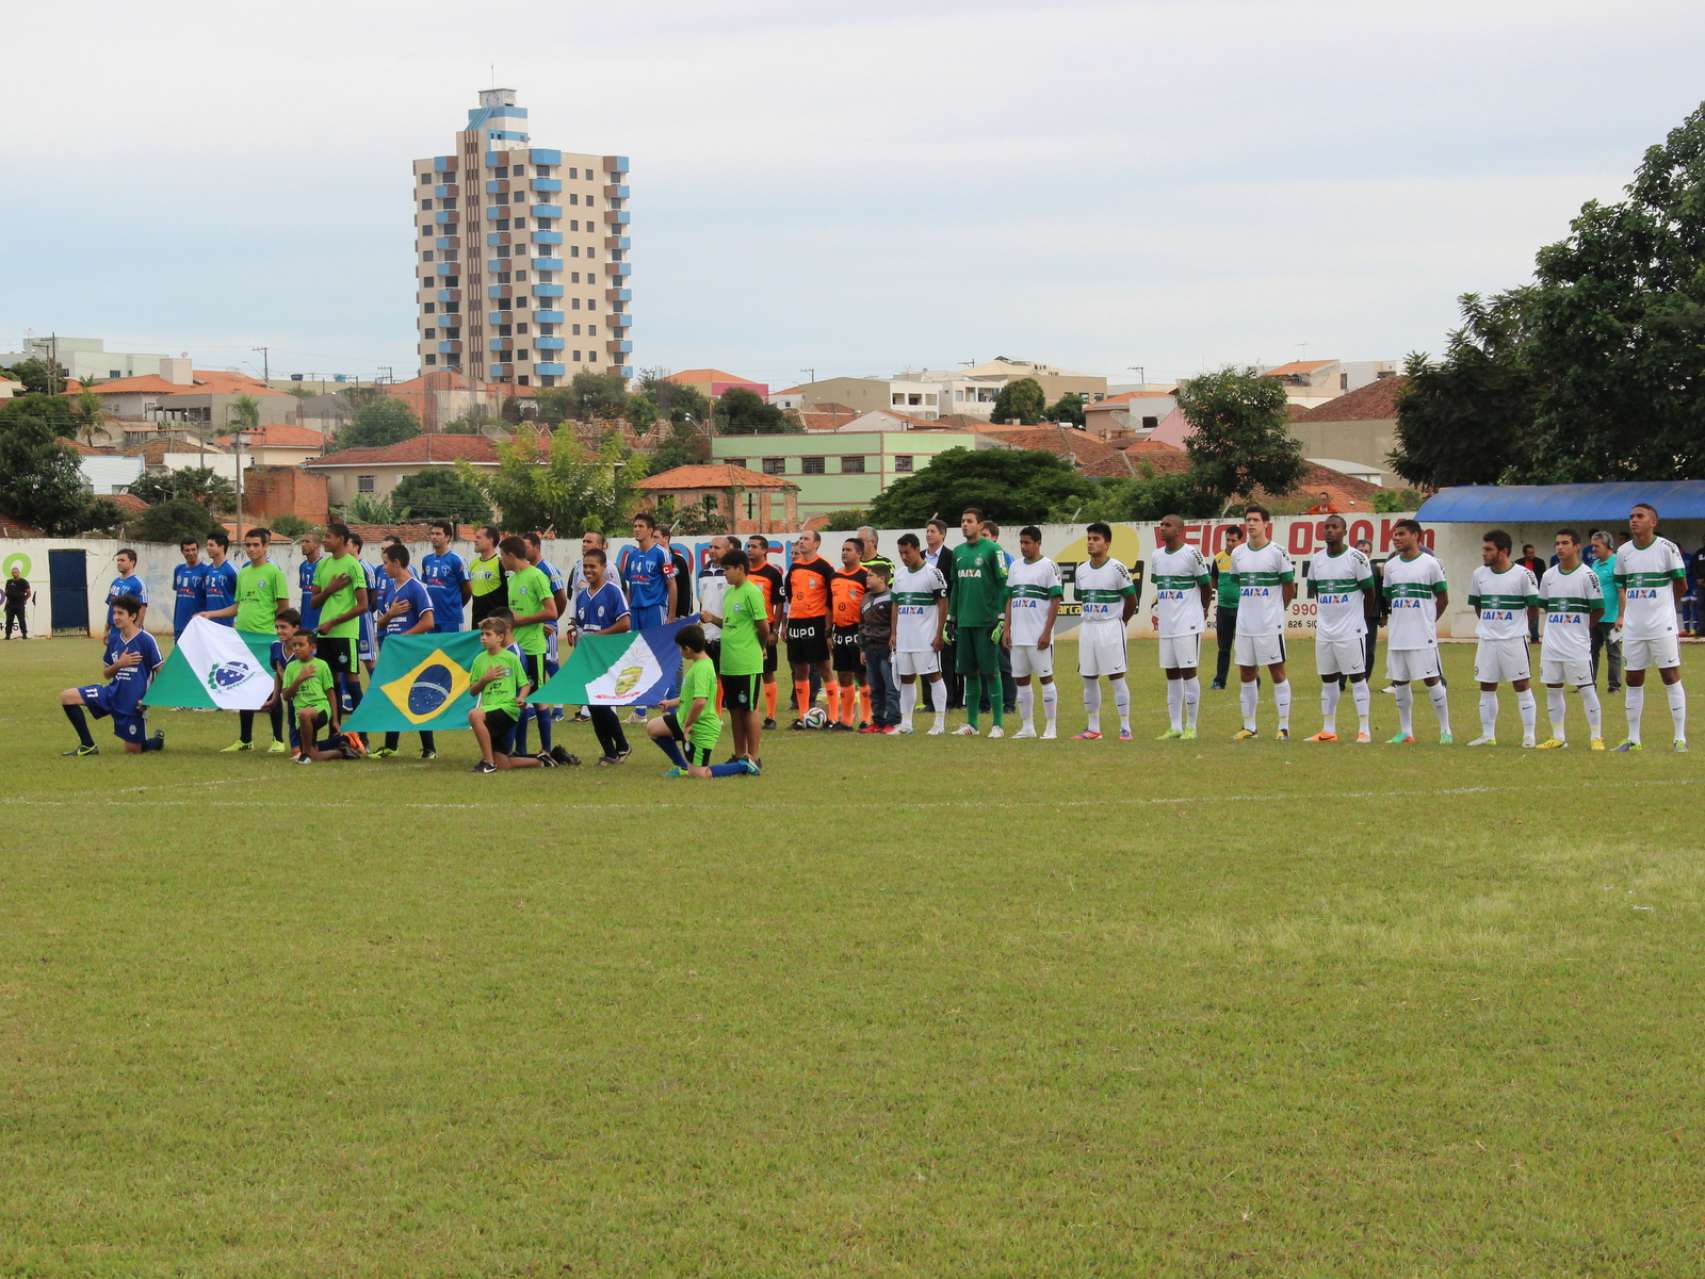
(978, 597)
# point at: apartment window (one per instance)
(591, 330)
(426, 204)
(591, 304)
(574, 250)
(522, 354)
(574, 173)
(425, 179)
(1149, 423)
(592, 357)
(574, 224)
(852, 466)
(592, 252)
(502, 170)
(503, 224)
(520, 302)
(777, 465)
(521, 277)
(520, 224)
(426, 255)
(520, 328)
(431, 307)
(577, 277)
(431, 333)
(894, 400)
(577, 357)
(575, 305)
(591, 200)
(365, 484)
(522, 379)
(813, 465)
(903, 464)
(576, 330)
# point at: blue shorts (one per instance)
(646, 616)
(127, 727)
(368, 649)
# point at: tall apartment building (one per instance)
(521, 255)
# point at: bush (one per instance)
(172, 521)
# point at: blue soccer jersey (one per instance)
(305, 579)
(415, 599)
(219, 590)
(131, 585)
(124, 696)
(444, 576)
(648, 573)
(189, 594)
(600, 609)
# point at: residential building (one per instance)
(1308, 382)
(747, 501)
(711, 383)
(108, 473)
(840, 470)
(1344, 493)
(84, 359)
(884, 420)
(788, 399)
(277, 445)
(1128, 413)
(179, 398)
(8, 387)
(444, 396)
(868, 394)
(973, 391)
(521, 254)
(1091, 456)
(376, 472)
(1354, 433)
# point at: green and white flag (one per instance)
(215, 666)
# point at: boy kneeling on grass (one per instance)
(700, 727)
(307, 684)
(130, 661)
(501, 686)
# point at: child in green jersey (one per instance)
(307, 684)
(500, 685)
(698, 728)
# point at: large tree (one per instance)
(440, 493)
(40, 377)
(1022, 400)
(1068, 408)
(379, 422)
(43, 483)
(1011, 485)
(675, 401)
(683, 446)
(601, 396)
(564, 486)
(741, 411)
(1239, 439)
(173, 520)
(201, 484)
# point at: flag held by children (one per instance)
(420, 683)
(638, 668)
(215, 666)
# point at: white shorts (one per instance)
(1405, 664)
(1501, 661)
(1340, 656)
(1101, 649)
(1180, 652)
(927, 662)
(1575, 672)
(1662, 651)
(1027, 659)
(1258, 650)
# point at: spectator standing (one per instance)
(18, 594)
(1533, 564)
(1604, 565)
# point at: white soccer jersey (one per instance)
(1337, 583)
(1178, 580)
(1102, 592)
(712, 587)
(1261, 579)
(1030, 586)
(1503, 600)
(1647, 573)
(1569, 601)
(916, 615)
(1411, 587)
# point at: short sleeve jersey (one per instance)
(1225, 589)
(767, 578)
(979, 583)
(414, 595)
(1261, 579)
(1569, 600)
(127, 585)
(600, 609)
(1411, 589)
(220, 590)
(500, 694)
(130, 683)
(1179, 577)
(742, 608)
(261, 588)
(1030, 584)
(312, 694)
(1503, 600)
(1605, 571)
(846, 596)
(700, 681)
(558, 583)
(341, 600)
(443, 575)
(1102, 592)
(305, 581)
(528, 591)
(189, 593)
(648, 573)
(1337, 582)
(916, 609)
(808, 588)
(712, 587)
(485, 576)
(1647, 574)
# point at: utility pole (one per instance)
(265, 353)
(812, 372)
(1142, 374)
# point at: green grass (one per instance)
(911, 1006)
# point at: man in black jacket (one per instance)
(17, 595)
(683, 574)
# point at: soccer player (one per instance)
(126, 583)
(807, 585)
(308, 683)
(600, 608)
(500, 686)
(340, 593)
(559, 593)
(1033, 595)
(1108, 599)
(219, 591)
(650, 573)
(532, 603)
(876, 639)
(767, 578)
(262, 594)
(920, 628)
(276, 708)
(367, 648)
(1503, 595)
(131, 658)
(1266, 585)
(408, 611)
(939, 555)
(1416, 590)
(487, 582)
(846, 597)
(189, 587)
(743, 615)
(1570, 595)
(1183, 585)
(311, 553)
(1341, 581)
(699, 727)
(975, 605)
(1650, 577)
(445, 576)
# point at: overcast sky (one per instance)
(859, 188)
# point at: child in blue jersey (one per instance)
(445, 575)
(219, 588)
(131, 659)
(126, 583)
(601, 609)
(407, 611)
(305, 580)
(189, 586)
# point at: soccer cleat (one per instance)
(1244, 734)
(356, 743)
(1389, 690)
(1170, 735)
(159, 740)
(609, 761)
(429, 754)
(80, 752)
(1552, 744)
(1680, 746)
(384, 752)
(1322, 736)
(1364, 738)
(484, 767)
(1283, 735)
(1597, 744)
(1088, 735)
(769, 723)
(891, 730)
(1484, 740)
(1050, 734)
(1527, 743)
(1025, 733)
(234, 747)
(674, 772)
(964, 730)
(638, 717)
(1218, 684)
(303, 759)
(564, 758)
(903, 728)
(937, 731)
(753, 769)
(996, 731)
(1445, 739)
(1628, 746)
(1124, 734)
(277, 748)
(545, 760)
(798, 726)
(1188, 735)
(1401, 739)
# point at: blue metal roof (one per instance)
(1559, 503)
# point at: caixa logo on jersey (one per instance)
(226, 676)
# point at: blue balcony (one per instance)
(452, 346)
(547, 290)
(548, 317)
(617, 217)
(545, 155)
(495, 318)
(621, 370)
(493, 186)
(495, 211)
(622, 347)
(619, 295)
(447, 295)
(494, 370)
(547, 210)
(494, 265)
(616, 192)
(497, 291)
(621, 270)
(547, 184)
(495, 238)
(547, 369)
(548, 344)
(542, 263)
(620, 243)
(443, 217)
(442, 163)
(616, 164)
(445, 268)
(620, 320)
(446, 242)
(503, 344)
(547, 237)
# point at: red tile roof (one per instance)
(278, 436)
(129, 503)
(692, 377)
(714, 475)
(1297, 367)
(1125, 397)
(1093, 457)
(420, 450)
(1375, 402)
(203, 382)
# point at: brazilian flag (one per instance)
(420, 683)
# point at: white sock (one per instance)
(1678, 710)
(1405, 698)
(1122, 700)
(1175, 704)
(1554, 707)
(1595, 712)
(936, 690)
(1441, 705)
(1488, 713)
(1634, 702)
(1092, 703)
(1027, 706)
(1329, 695)
(908, 703)
(1363, 695)
(1282, 700)
(1528, 705)
(1192, 700)
(1246, 699)
(1050, 704)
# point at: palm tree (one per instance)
(244, 414)
(90, 416)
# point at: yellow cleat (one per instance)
(1244, 734)
(1554, 744)
(1322, 736)
(1598, 744)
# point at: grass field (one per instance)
(910, 1006)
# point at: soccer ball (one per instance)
(816, 717)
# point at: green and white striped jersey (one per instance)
(1179, 577)
(1261, 579)
(1503, 600)
(1648, 575)
(1337, 583)
(1569, 600)
(1030, 585)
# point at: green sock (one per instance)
(997, 699)
(973, 698)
